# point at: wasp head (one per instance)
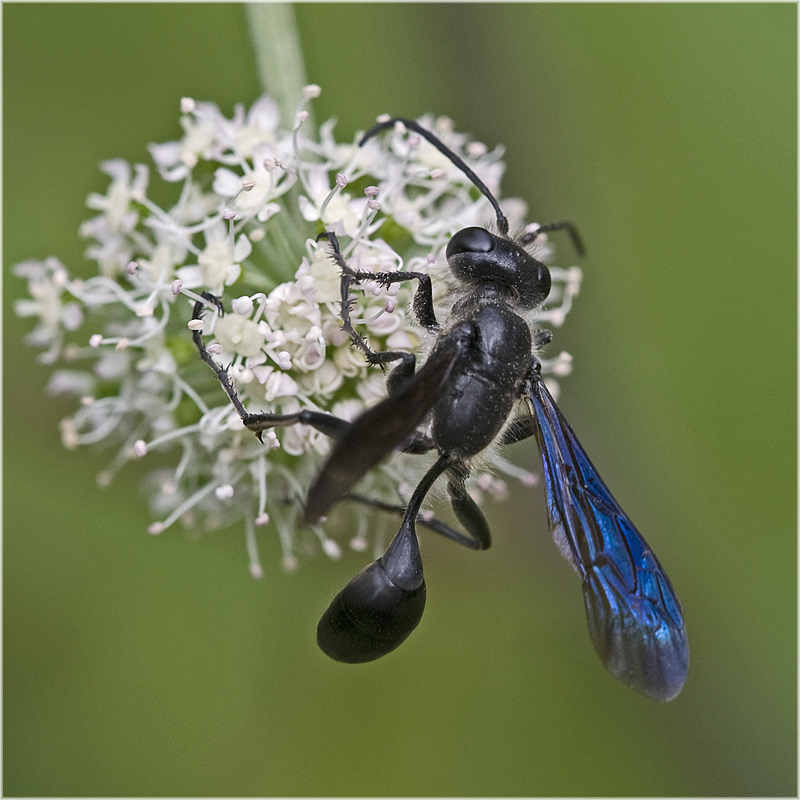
(477, 256)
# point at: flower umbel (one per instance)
(251, 196)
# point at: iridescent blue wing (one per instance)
(634, 617)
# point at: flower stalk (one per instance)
(279, 57)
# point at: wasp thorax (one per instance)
(475, 255)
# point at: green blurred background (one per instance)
(667, 133)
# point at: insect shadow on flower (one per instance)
(480, 385)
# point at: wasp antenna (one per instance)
(502, 222)
(562, 225)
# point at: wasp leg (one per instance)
(423, 310)
(465, 508)
(407, 367)
(417, 444)
(325, 423)
(423, 297)
(431, 523)
(478, 536)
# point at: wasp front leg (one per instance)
(328, 424)
(422, 305)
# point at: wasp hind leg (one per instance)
(466, 509)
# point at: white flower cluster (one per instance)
(252, 197)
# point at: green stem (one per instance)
(279, 60)
(279, 57)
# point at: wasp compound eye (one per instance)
(471, 240)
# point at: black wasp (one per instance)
(465, 397)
